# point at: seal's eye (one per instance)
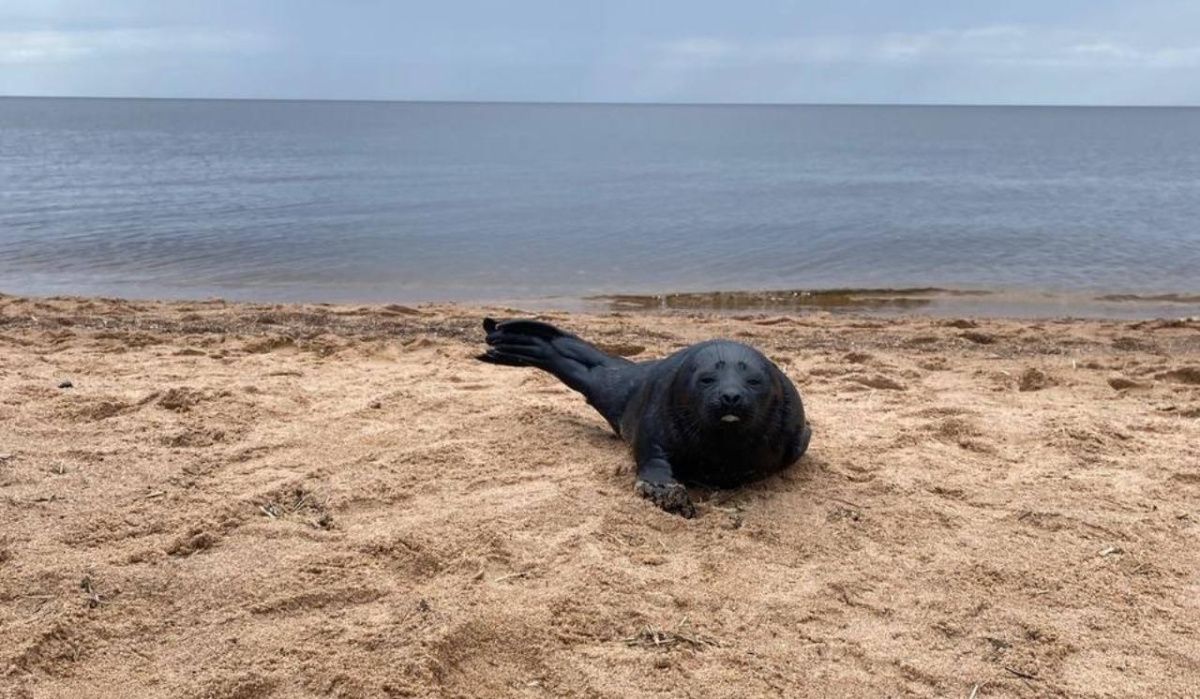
(753, 382)
(707, 381)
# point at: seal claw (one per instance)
(671, 497)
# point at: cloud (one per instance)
(700, 47)
(1010, 45)
(57, 46)
(1108, 53)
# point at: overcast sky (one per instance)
(908, 51)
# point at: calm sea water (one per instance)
(409, 201)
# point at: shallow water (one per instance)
(411, 202)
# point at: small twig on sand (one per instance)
(156, 494)
(93, 598)
(510, 576)
(1022, 675)
(847, 503)
(650, 637)
(974, 691)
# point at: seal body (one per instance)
(717, 413)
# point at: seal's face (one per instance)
(731, 384)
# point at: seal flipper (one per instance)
(606, 381)
(656, 484)
(799, 446)
(656, 478)
(527, 332)
(533, 343)
(802, 442)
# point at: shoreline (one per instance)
(943, 302)
(932, 301)
(211, 498)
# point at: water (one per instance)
(339, 201)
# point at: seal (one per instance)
(715, 414)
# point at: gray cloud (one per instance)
(1000, 44)
(1021, 51)
(59, 46)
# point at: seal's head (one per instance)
(730, 385)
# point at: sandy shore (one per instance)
(248, 500)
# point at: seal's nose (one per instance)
(731, 400)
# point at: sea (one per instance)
(1021, 210)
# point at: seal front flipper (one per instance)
(656, 484)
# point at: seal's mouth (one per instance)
(729, 417)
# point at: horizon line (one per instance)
(614, 103)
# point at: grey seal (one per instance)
(716, 414)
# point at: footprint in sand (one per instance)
(195, 540)
(192, 438)
(96, 409)
(418, 344)
(827, 370)
(939, 411)
(1134, 344)
(181, 399)
(1121, 383)
(1189, 375)
(463, 385)
(268, 344)
(1177, 411)
(1033, 379)
(393, 309)
(979, 338)
(921, 340)
(878, 381)
(955, 428)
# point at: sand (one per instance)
(250, 500)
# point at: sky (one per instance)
(1087, 52)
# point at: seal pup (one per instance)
(717, 413)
